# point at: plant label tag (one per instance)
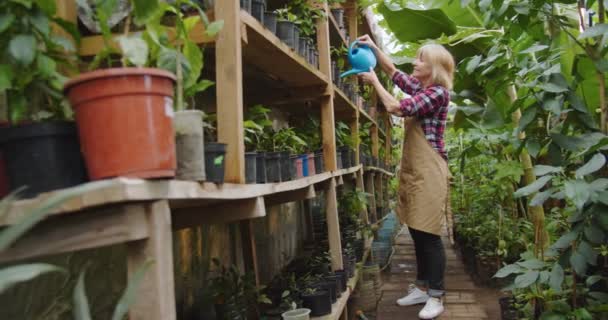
(218, 160)
(169, 107)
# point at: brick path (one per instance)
(460, 301)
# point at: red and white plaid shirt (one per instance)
(429, 105)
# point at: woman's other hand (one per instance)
(367, 41)
(369, 77)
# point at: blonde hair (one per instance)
(442, 63)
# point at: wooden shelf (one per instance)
(336, 37)
(376, 169)
(267, 53)
(181, 194)
(343, 107)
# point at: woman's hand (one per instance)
(366, 40)
(369, 77)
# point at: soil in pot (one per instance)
(318, 302)
(214, 161)
(251, 167)
(273, 167)
(125, 122)
(285, 32)
(270, 21)
(260, 163)
(189, 145)
(42, 157)
(258, 7)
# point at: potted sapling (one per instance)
(256, 124)
(215, 152)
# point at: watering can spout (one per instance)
(361, 59)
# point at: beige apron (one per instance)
(423, 182)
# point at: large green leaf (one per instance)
(541, 170)
(22, 48)
(134, 48)
(578, 191)
(413, 25)
(463, 16)
(144, 10)
(11, 276)
(594, 164)
(194, 55)
(81, 304)
(578, 262)
(533, 187)
(526, 279)
(557, 277)
(508, 270)
(48, 6)
(6, 19)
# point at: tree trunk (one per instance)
(537, 213)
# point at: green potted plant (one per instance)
(39, 142)
(124, 115)
(286, 27)
(256, 124)
(345, 144)
(290, 144)
(310, 132)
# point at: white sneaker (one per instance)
(432, 309)
(414, 296)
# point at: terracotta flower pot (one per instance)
(124, 119)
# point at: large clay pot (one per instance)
(124, 119)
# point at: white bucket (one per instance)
(297, 314)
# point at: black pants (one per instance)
(430, 261)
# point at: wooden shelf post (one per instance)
(156, 292)
(333, 226)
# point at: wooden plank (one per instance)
(379, 190)
(354, 132)
(333, 226)
(229, 89)
(250, 256)
(387, 139)
(290, 196)
(361, 186)
(375, 139)
(369, 188)
(270, 55)
(352, 14)
(155, 296)
(224, 212)
(288, 96)
(84, 230)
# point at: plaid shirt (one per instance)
(429, 105)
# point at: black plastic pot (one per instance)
(258, 7)
(345, 154)
(319, 303)
(42, 157)
(339, 15)
(246, 4)
(340, 284)
(251, 167)
(319, 165)
(330, 287)
(302, 46)
(285, 166)
(507, 308)
(311, 55)
(285, 32)
(344, 276)
(214, 161)
(270, 21)
(296, 38)
(260, 164)
(339, 159)
(273, 167)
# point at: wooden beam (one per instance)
(250, 256)
(333, 226)
(155, 296)
(369, 188)
(229, 89)
(388, 139)
(78, 231)
(375, 139)
(354, 133)
(361, 186)
(224, 212)
(289, 95)
(290, 196)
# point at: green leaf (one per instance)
(540, 198)
(473, 63)
(22, 48)
(565, 240)
(526, 118)
(552, 87)
(594, 234)
(48, 6)
(11, 276)
(508, 270)
(194, 55)
(25, 3)
(46, 65)
(578, 191)
(552, 105)
(578, 262)
(134, 48)
(167, 59)
(592, 280)
(214, 28)
(410, 25)
(599, 29)
(535, 48)
(199, 87)
(6, 77)
(79, 297)
(541, 170)
(582, 314)
(550, 315)
(144, 10)
(41, 22)
(6, 19)
(531, 264)
(588, 252)
(599, 296)
(603, 197)
(557, 277)
(526, 279)
(533, 187)
(128, 296)
(594, 164)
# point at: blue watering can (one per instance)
(361, 59)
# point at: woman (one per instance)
(423, 189)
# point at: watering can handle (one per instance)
(352, 46)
